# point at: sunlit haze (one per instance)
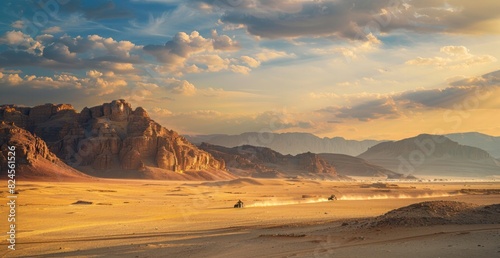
(356, 69)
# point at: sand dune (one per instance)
(283, 218)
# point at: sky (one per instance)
(380, 69)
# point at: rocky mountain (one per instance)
(262, 162)
(489, 143)
(432, 155)
(288, 143)
(32, 158)
(113, 140)
(352, 166)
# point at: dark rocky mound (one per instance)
(439, 213)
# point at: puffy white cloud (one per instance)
(270, 54)
(224, 42)
(67, 52)
(353, 50)
(184, 45)
(181, 87)
(22, 42)
(52, 30)
(250, 61)
(240, 69)
(454, 57)
(213, 63)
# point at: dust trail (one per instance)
(348, 197)
(280, 203)
(394, 196)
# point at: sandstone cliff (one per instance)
(33, 159)
(112, 140)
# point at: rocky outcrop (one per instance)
(261, 162)
(33, 159)
(107, 139)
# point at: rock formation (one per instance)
(111, 138)
(262, 162)
(33, 159)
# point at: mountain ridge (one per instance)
(113, 140)
(288, 143)
(263, 162)
(432, 155)
(338, 145)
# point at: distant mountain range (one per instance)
(295, 143)
(432, 155)
(262, 162)
(288, 143)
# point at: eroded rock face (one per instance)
(33, 159)
(28, 147)
(110, 136)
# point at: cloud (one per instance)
(52, 30)
(19, 41)
(67, 52)
(487, 80)
(224, 42)
(103, 11)
(454, 57)
(212, 63)
(353, 19)
(250, 61)
(96, 83)
(18, 24)
(367, 107)
(353, 50)
(181, 87)
(240, 69)
(366, 111)
(163, 112)
(215, 121)
(194, 49)
(271, 54)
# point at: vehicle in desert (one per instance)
(239, 204)
(332, 197)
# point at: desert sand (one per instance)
(282, 218)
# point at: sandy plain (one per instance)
(282, 218)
